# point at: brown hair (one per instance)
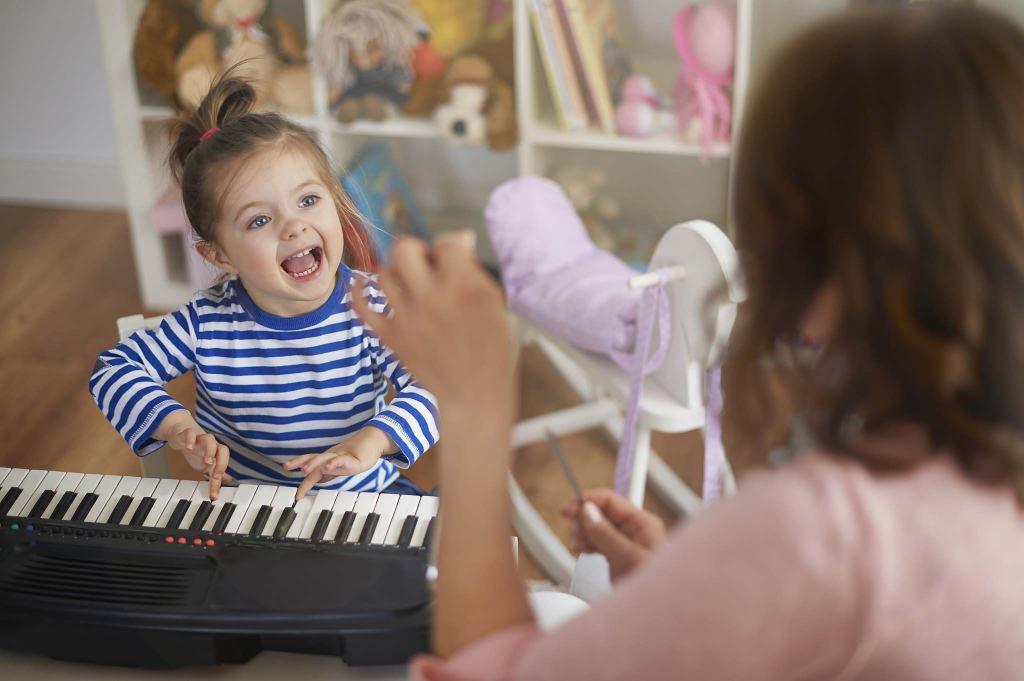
(201, 165)
(883, 156)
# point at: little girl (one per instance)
(290, 383)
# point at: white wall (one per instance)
(57, 140)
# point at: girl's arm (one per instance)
(127, 380)
(410, 420)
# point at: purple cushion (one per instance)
(553, 273)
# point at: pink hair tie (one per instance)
(208, 134)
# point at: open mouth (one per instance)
(304, 264)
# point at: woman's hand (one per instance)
(357, 454)
(611, 525)
(200, 449)
(449, 326)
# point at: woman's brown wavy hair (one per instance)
(883, 155)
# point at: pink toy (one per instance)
(705, 37)
(639, 113)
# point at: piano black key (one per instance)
(368, 527)
(345, 527)
(222, 520)
(408, 527)
(178, 514)
(142, 511)
(119, 509)
(320, 529)
(41, 503)
(63, 504)
(260, 520)
(430, 532)
(202, 513)
(88, 501)
(9, 499)
(284, 523)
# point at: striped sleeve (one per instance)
(127, 381)
(411, 417)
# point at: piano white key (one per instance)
(284, 497)
(28, 486)
(87, 486)
(346, 501)
(4, 470)
(364, 506)
(67, 484)
(126, 485)
(226, 494)
(244, 495)
(184, 490)
(264, 495)
(13, 479)
(424, 512)
(201, 494)
(145, 489)
(406, 507)
(49, 483)
(103, 490)
(161, 495)
(323, 500)
(385, 508)
(302, 514)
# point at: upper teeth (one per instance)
(300, 254)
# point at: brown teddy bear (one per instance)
(232, 31)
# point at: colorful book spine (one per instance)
(556, 79)
(584, 36)
(576, 57)
(576, 111)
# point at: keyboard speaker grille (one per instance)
(111, 582)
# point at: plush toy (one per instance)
(429, 67)
(480, 104)
(268, 48)
(455, 25)
(585, 188)
(706, 42)
(165, 27)
(365, 50)
(640, 112)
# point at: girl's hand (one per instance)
(611, 525)
(357, 454)
(200, 449)
(449, 328)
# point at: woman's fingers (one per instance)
(621, 551)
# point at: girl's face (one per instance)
(279, 231)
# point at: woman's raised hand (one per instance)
(609, 524)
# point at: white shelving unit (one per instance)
(657, 181)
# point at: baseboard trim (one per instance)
(61, 181)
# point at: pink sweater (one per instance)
(817, 570)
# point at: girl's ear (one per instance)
(215, 256)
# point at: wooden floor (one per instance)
(67, 275)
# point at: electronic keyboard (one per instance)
(150, 572)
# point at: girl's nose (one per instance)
(293, 229)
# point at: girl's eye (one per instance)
(259, 221)
(308, 201)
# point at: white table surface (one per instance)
(266, 665)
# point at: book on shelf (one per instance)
(383, 199)
(591, 31)
(565, 89)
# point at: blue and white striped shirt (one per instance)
(269, 387)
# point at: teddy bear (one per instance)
(365, 52)
(164, 28)
(266, 47)
(480, 103)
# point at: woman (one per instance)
(879, 196)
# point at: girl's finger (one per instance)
(217, 469)
(343, 464)
(297, 461)
(190, 438)
(307, 484)
(316, 461)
